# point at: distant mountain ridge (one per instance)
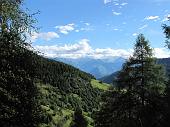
(109, 78)
(163, 61)
(97, 67)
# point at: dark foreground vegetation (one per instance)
(38, 92)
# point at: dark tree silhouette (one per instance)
(78, 119)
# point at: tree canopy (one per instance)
(137, 101)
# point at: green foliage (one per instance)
(100, 85)
(138, 99)
(115, 110)
(166, 29)
(15, 19)
(141, 73)
(78, 119)
(61, 88)
(67, 82)
(55, 101)
(166, 62)
(37, 90)
(18, 106)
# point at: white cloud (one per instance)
(116, 29)
(87, 24)
(155, 18)
(84, 49)
(107, 1)
(77, 50)
(123, 4)
(161, 53)
(77, 31)
(65, 29)
(143, 27)
(45, 36)
(134, 34)
(109, 53)
(81, 49)
(116, 13)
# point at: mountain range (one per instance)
(164, 61)
(97, 67)
(105, 70)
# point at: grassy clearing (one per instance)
(97, 84)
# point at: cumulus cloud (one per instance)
(45, 36)
(65, 29)
(117, 13)
(155, 18)
(161, 53)
(84, 49)
(109, 53)
(79, 50)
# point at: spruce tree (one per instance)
(141, 84)
(166, 104)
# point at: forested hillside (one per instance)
(40, 92)
(59, 89)
(166, 63)
(36, 91)
(65, 89)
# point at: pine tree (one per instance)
(166, 104)
(148, 81)
(141, 84)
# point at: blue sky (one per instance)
(98, 28)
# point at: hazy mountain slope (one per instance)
(96, 67)
(110, 78)
(166, 63)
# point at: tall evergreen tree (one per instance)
(141, 84)
(166, 29)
